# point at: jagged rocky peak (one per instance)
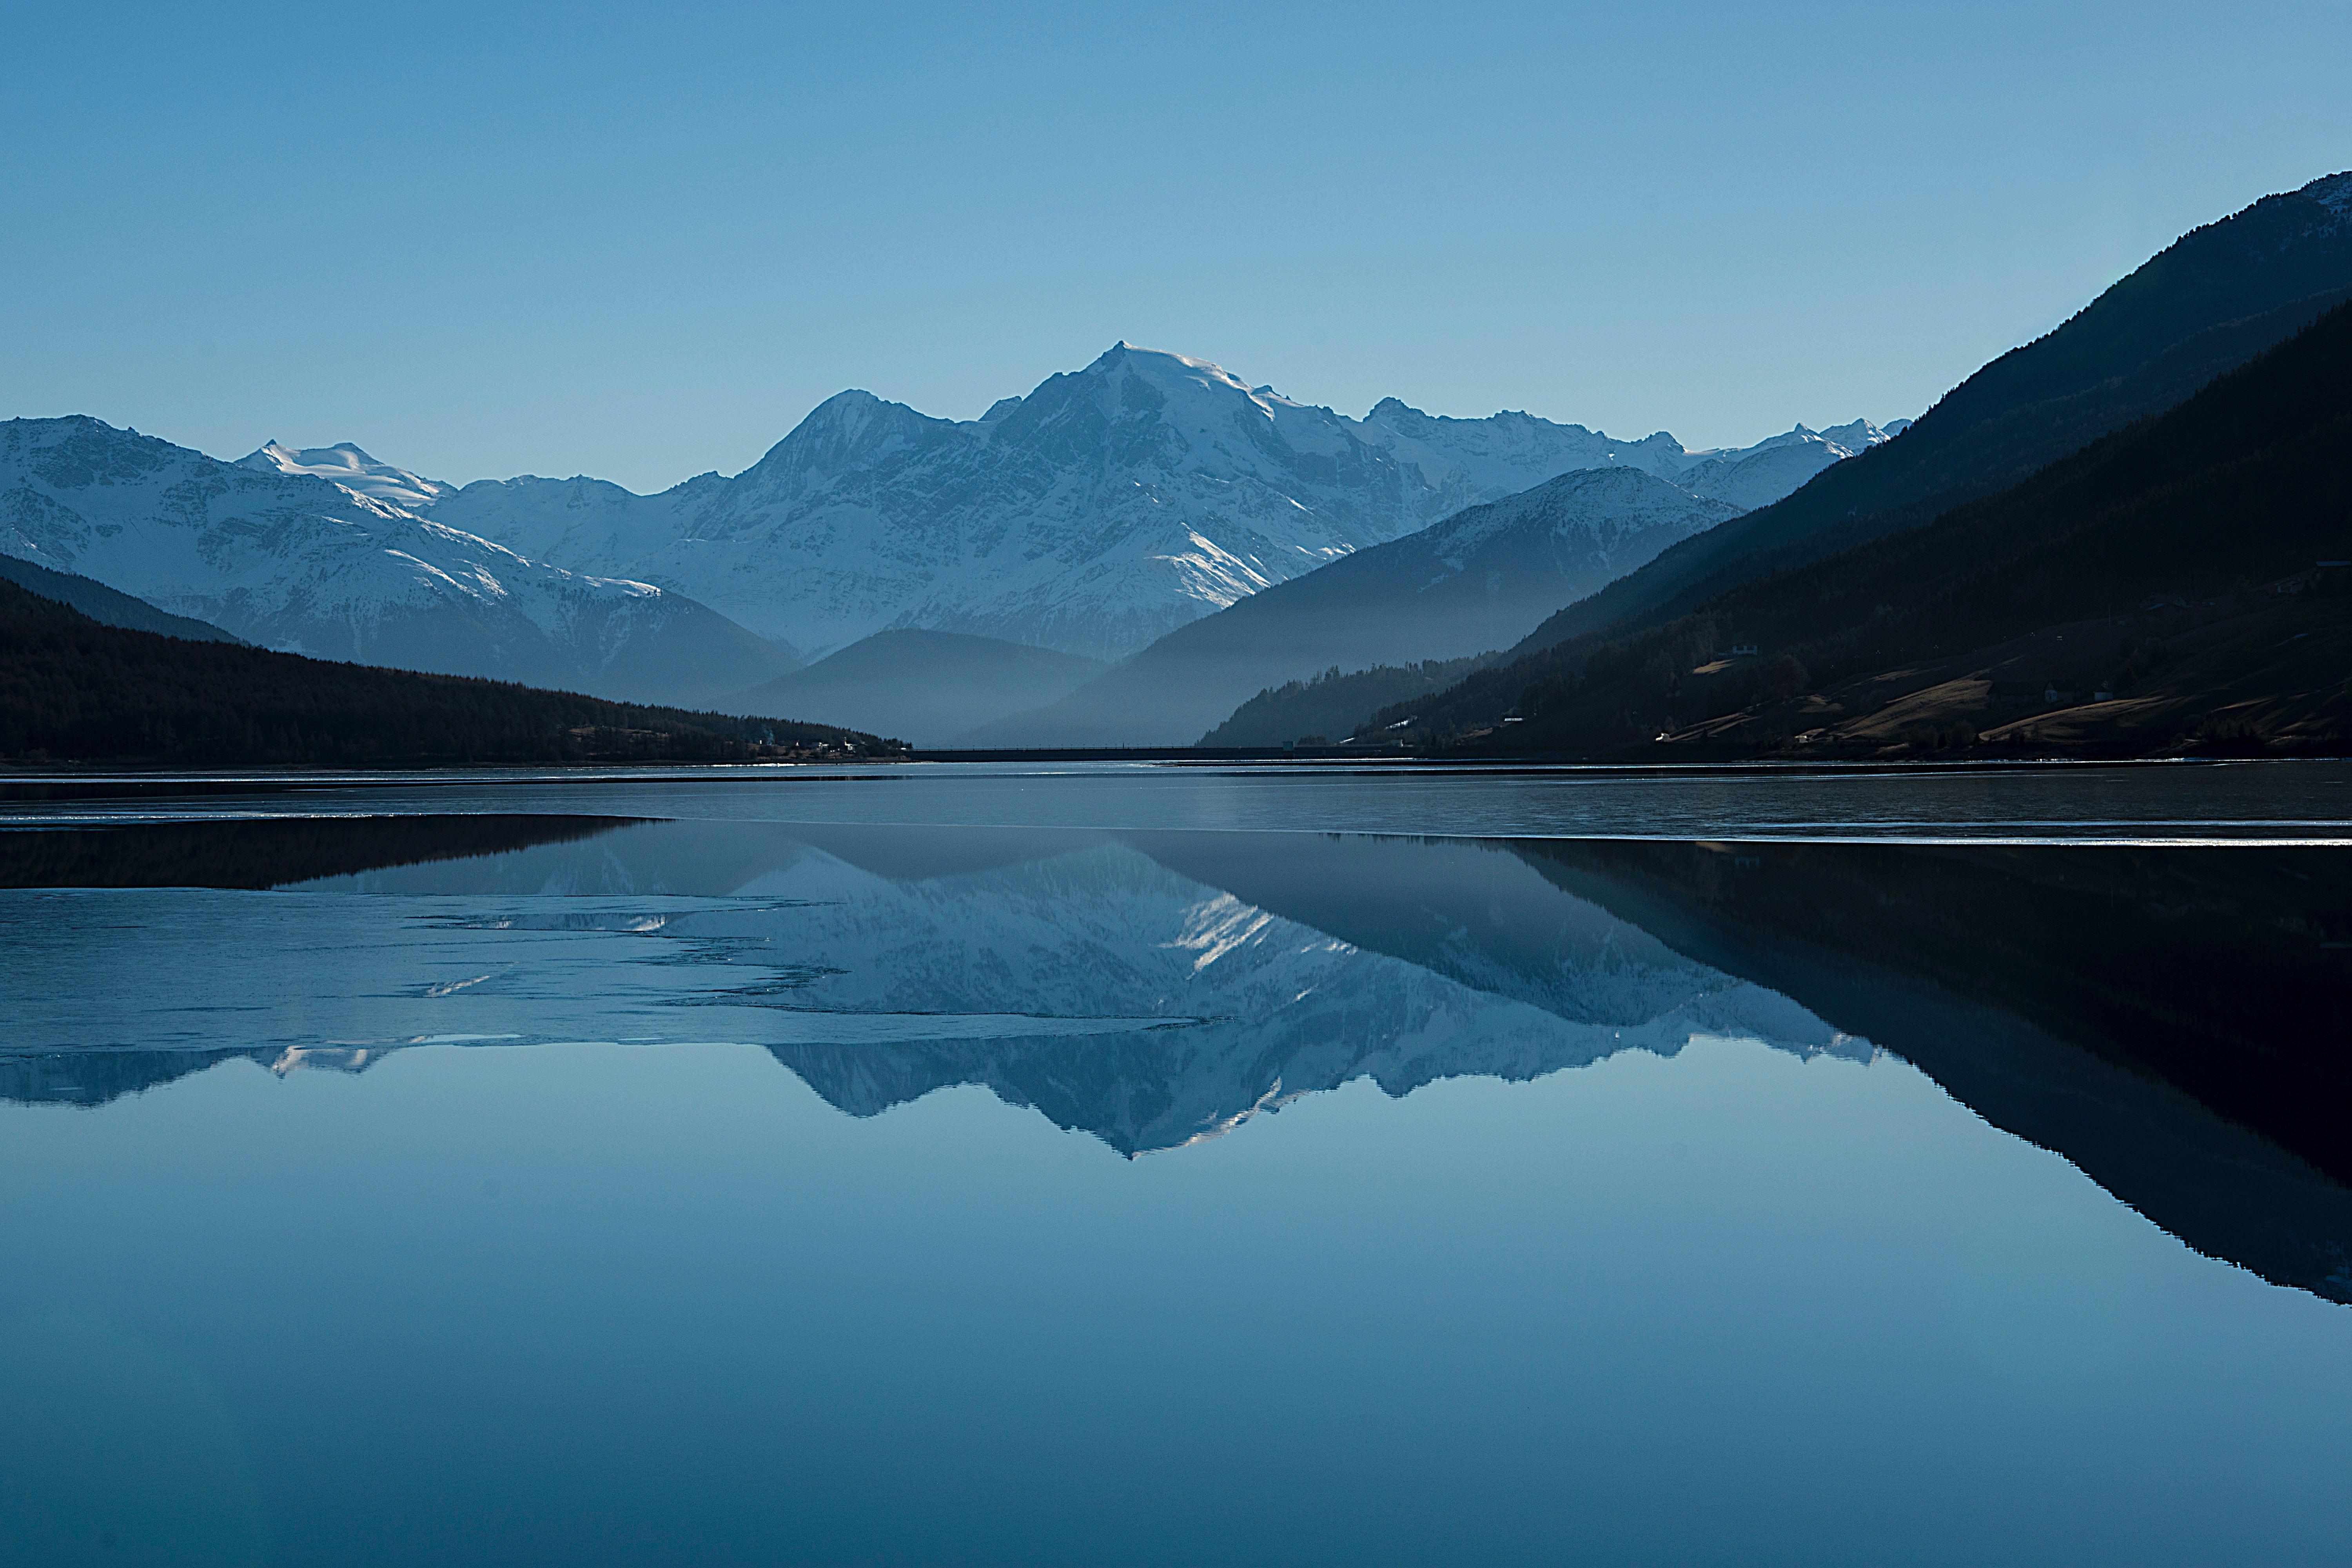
(77, 450)
(849, 430)
(1515, 437)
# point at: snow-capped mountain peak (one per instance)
(1110, 505)
(288, 558)
(346, 465)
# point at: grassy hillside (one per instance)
(2173, 566)
(73, 690)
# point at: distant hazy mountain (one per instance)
(1107, 508)
(1759, 474)
(1479, 580)
(294, 562)
(107, 607)
(920, 686)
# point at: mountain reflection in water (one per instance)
(2151, 1015)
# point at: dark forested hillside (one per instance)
(2209, 302)
(106, 606)
(1330, 707)
(73, 690)
(2176, 586)
(270, 852)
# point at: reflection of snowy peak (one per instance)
(1251, 1008)
(287, 558)
(1114, 982)
(1108, 506)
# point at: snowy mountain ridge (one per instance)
(288, 559)
(1106, 508)
(345, 464)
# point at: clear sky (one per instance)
(642, 241)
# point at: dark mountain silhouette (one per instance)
(71, 688)
(2160, 1018)
(2163, 590)
(1328, 708)
(2209, 302)
(106, 606)
(270, 852)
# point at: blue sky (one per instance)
(642, 242)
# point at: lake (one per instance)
(1125, 1164)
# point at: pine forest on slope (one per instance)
(106, 606)
(74, 689)
(2209, 302)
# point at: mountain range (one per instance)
(925, 688)
(1105, 509)
(1212, 540)
(294, 562)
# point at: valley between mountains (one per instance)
(1150, 551)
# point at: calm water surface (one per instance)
(1152, 1165)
